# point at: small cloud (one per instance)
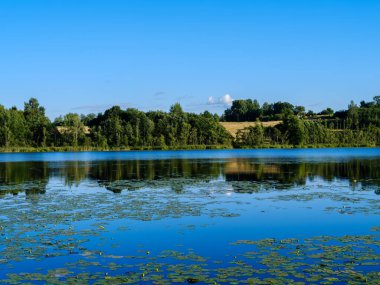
(225, 100)
(159, 93)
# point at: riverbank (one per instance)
(83, 148)
(189, 147)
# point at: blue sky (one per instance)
(86, 55)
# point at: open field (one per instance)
(233, 127)
(63, 130)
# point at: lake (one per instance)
(299, 216)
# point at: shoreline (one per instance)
(191, 147)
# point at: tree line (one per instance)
(250, 110)
(358, 125)
(115, 128)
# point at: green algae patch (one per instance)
(317, 260)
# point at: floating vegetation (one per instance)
(318, 260)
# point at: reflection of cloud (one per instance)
(224, 100)
(100, 107)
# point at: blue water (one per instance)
(294, 154)
(58, 208)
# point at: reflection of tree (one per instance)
(132, 175)
(72, 172)
(28, 177)
(18, 172)
(286, 175)
(152, 169)
(247, 170)
(32, 177)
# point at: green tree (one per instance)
(5, 133)
(18, 127)
(353, 116)
(327, 111)
(252, 136)
(38, 124)
(73, 129)
(376, 99)
(295, 130)
(299, 110)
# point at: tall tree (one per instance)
(74, 129)
(295, 130)
(37, 123)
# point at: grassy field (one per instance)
(233, 127)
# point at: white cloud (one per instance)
(225, 100)
(210, 100)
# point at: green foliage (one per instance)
(37, 123)
(30, 129)
(356, 126)
(251, 136)
(248, 110)
(243, 110)
(13, 127)
(295, 130)
(327, 112)
(74, 129)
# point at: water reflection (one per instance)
(30, 178)
(33, 177)
(365, 172)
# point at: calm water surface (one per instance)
(206, 217)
